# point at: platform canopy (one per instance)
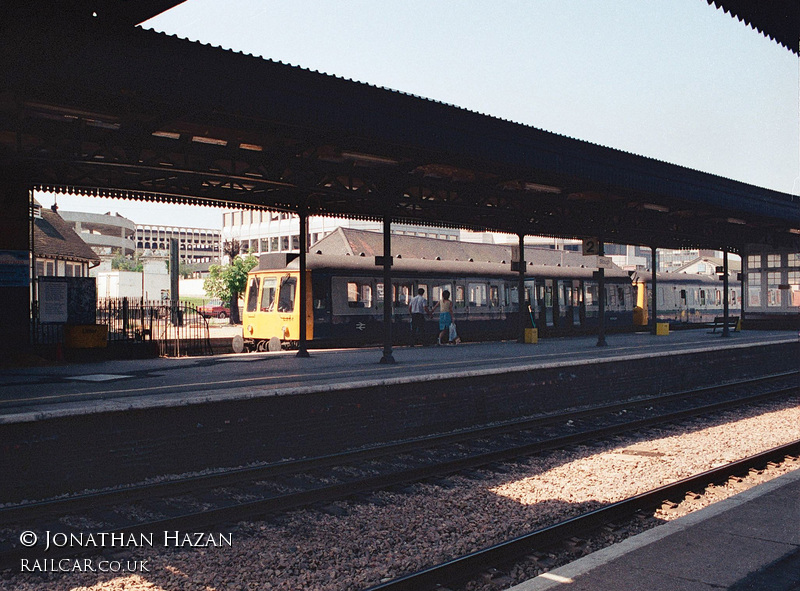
(93, 105)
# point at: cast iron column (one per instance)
(388, 302)
(302, 347)
(601, 293)
(521, 288)
(725, 330)
(653, 290)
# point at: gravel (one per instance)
(353, 545)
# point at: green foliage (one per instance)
(227, 281)
(122, 263)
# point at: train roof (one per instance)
(403, 266)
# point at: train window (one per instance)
(402, 293)
(379, 292)
(252, 294)
(494, 296)
(590, 294)
(359, 294)
(268, 290)
(459, 296)
(477, 295)
(621, 295)
(702, 297)
(436, 292)
(683, 294)
(717, 297)
(548, 296)
(287, 294)
(424, 287)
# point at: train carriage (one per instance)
(346, 301)
(685, 298)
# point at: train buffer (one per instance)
(719, 322)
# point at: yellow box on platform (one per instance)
(85, 336)
(662, 328)
(532, 335)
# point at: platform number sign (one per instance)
(591, 246)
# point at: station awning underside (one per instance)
(119, 111)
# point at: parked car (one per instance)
(215, 309)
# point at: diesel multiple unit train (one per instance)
(345, 303)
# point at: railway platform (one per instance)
(748, 542)
(59, 390)
(66, 427)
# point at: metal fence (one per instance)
(178, 329)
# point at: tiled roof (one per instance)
(349, 241)
(53, 238)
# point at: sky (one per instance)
(674, 80)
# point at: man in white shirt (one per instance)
(418, 307)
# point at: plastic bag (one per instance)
(453, 333)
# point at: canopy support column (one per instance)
(725, 330)
(601, 293)
(302, 213)
(388, 302)
(654, 290)
(521, 288)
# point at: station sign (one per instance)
(605, 263)
(591, 246)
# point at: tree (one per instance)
(122, 263)
(228, 281)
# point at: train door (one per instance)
(564, 304)
(578, 313)
(550, 307)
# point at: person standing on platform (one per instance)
(418, 307)
(445, 317)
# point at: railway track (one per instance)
(201, 501)
(458, 571)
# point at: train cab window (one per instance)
(359, 294)
(494, 296)
(252, 294)
(269, 288)
(459, 300)
(477, 295)
(287, 294)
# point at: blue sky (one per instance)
(675, 80)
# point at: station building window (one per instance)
(773, 260)
(273, 244)
(794, 288)
(284, 243)
(754, 261)
(793, 259)
(773, 289)
(754, 289)
(264, 245)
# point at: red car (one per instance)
(215, 309)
